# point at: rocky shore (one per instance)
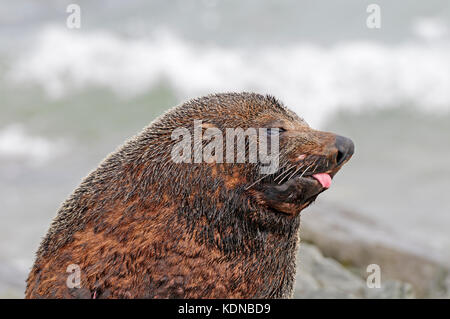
(322, 277)
(350, 243)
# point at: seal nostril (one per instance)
(340, 157)
(345, 148)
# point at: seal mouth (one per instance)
(289, 191)
(292, 189)
(297, 183)
(296, 193)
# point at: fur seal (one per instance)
(143, 226)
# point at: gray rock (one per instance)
(359, 241)
(391, 290)
(321, 277)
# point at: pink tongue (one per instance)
(323, 179)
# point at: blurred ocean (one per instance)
(68, 97)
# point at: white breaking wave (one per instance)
(312, 80)
(15, 143)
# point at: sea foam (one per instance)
(312, 79)
(16, 143)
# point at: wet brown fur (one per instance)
(142, 226)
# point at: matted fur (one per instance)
(142, 226)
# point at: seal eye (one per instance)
(275, 131)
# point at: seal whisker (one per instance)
(295, 172)
(258, 180)
(279, 172)
(284, 173)
(290, 176)
(305, 170)
(315, 166)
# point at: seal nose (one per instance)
(345, 149)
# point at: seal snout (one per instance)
(345, 149)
